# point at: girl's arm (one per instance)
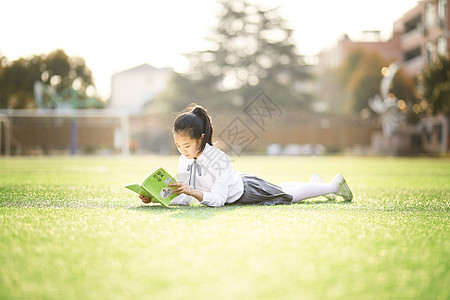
(218, 192)
(183, 188)
(181, 200)
(218, 195)
(182, 176)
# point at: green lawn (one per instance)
(69, 230)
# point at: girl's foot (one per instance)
(344, 190)
(317, 178)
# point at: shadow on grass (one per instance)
(201, 212)
(318, 202)
(154, 209)
(194, 212)
(188, 212)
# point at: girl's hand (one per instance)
(146, 200)
(182, 188)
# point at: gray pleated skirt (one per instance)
(260, 192)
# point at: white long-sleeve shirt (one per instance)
(213, 175)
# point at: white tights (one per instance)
(305, 190)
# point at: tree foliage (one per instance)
(434, 82)
(330, 94)
(252, 49)
(360, 77)
(404, 88)
(17, 79)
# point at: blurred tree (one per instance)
(3, 62)
(178, 94)
(361, 77)
(331, 93)
(56, 69)
(16, 82)
(252, 49)
(404, 88)
(434, 83)
(348, 87)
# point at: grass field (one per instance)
(69, 230)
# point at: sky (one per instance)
(113, 36)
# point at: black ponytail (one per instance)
(195, 121)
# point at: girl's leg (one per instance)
(305, 190)
(318, 178)
(293, 184)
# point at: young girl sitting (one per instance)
(206, 173)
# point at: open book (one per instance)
(156, 186)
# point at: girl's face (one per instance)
(186, 145)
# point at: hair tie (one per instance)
(197, 111)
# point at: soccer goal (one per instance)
(64, 131)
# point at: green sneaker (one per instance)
(317, 178)
(344, 190)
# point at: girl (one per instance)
(206, 173)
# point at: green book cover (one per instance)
(156, 186)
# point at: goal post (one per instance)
(64, 130)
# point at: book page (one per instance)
(157, 184)
(138, 189)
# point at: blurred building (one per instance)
(371, 40)
(418, 36)
(133, 88)
(425, 33)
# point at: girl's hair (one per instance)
(195, 121)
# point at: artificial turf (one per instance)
(69, 230)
